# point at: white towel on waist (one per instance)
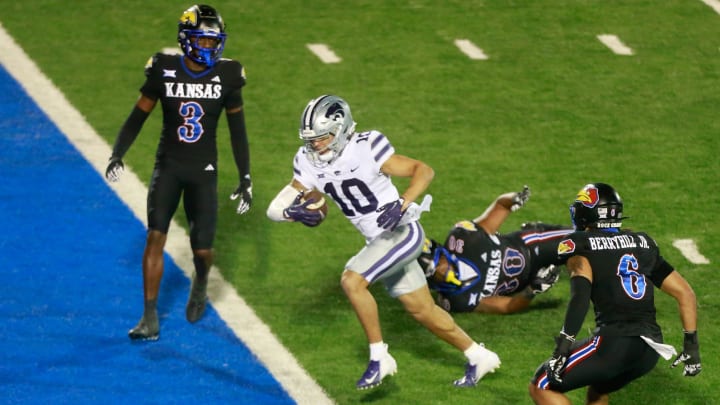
(666, 351)
(414, 211)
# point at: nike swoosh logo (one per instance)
(371, 378)
(352, 170)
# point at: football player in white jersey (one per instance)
(354, 169)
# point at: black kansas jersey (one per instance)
(192, 103)
(494, 264)
(625, 267)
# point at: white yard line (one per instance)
(714, 4)
(689, 249)
(243, 321)
(324, 52)
(615, 45)
(470, 49)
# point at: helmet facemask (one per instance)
(205, 56)
(200, 22)
(443, 279)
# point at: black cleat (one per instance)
(196, 301)
(145, 330)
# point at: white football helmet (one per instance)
(326, 115)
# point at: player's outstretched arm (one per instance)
(500, 209)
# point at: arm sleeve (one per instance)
(580, 289)
(284, 199)
(239, 142)
(661, 271)
(129, 131)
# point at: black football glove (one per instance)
(545, 278)
(555, 365)
(114, 169)
(690, 355)
(299, 212)
(392, 212)
(244, 192)
(520, 198)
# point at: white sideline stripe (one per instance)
(689, 249)
(230, 306)
(615, 45)
(324, 52)
(470, 49)
(714, 4)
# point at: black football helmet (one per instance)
(201, 21)
(446, 280)
(428, 258)
(597, 205)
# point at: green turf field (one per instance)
(552, 107)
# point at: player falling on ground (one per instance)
(478, 269)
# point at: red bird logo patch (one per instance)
(588, 196)
(566, 246)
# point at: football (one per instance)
(319, 203)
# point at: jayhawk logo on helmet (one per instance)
(588, 196)
(428, 246)
(189, 17)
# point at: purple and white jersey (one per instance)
(354, 180)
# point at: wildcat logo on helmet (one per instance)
(566, 246)
(335, 112)
(588, 196)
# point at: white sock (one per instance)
(378, 350)
(474, 353)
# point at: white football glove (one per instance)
(244, 193)
(114, 169)
(520, 198)
(545, 278)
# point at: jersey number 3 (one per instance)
(191, 130)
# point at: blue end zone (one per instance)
(72, 287)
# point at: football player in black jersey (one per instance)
(193, 89)
(480, 270)
(616, 269)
